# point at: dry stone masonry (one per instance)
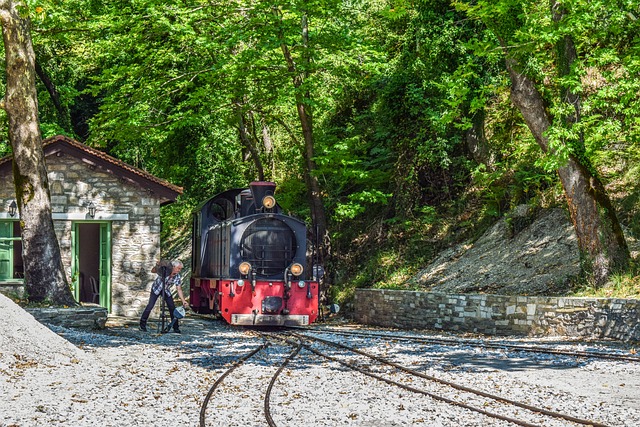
(500, 314)
(86, 318)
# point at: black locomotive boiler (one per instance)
(250, 262)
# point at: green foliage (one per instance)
(292, 197)
(625, 285)
(400, 130)
(394, 89)
(390, 265)
(502, 191)
(357, 203)
(605, 35)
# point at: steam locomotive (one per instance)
(250, 262)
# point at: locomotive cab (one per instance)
(249, 261)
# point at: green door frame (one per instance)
(105, 261)
(105, 265)
(6, 250)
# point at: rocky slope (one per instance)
(527, 253)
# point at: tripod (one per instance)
(163, 306)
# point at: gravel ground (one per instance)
(122, 376)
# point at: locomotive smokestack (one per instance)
(261, 190)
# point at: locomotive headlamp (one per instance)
(296, 269)
(268, 202)
(301, 284)
(244, 268)
(241, 283)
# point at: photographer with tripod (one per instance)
(168, 276)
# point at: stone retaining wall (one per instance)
(13, 289)
(500, 314)
(76, 317)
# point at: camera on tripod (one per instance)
(163, 268)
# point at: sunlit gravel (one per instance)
(123, 376)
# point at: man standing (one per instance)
(162, 286)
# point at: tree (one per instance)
(600, 238)
(303, 107)
(44, 273)
(261, 67)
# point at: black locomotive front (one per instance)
(269, 245)
(241, 237)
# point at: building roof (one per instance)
(166, 191)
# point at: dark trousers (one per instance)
(152, 302)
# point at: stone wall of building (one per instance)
(499, 314)
(135, 240)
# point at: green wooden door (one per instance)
(104, 249)
(6, 250)
(105, 265)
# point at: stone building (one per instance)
(106, 216)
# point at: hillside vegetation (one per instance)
(395, 129)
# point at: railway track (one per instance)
(233, 367)
(479, 344)
(486, 399)
(342, 359)
(267, 395)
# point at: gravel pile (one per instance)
(124, 377)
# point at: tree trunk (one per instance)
(246, 139)
(477, 143)
(64, 118)
(318, 215)
(44, 273)
(601, 242)
(267, 144)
